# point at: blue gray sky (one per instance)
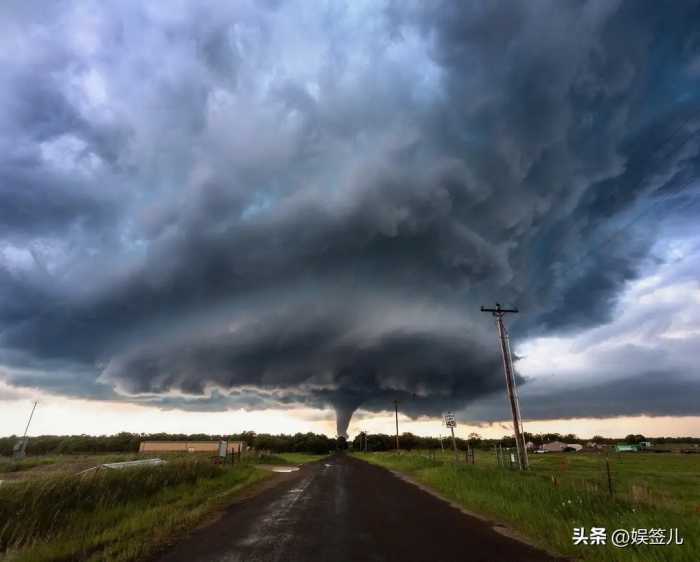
(262, 206)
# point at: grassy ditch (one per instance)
(113, 515)
(546, 507)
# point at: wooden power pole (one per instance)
(498, 313)
(396, 411)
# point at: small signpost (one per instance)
(451, 422)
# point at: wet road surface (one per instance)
(343, 509)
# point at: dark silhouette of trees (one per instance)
(299, 442)
(129, 442)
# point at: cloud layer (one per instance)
(243, 204)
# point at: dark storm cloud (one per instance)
(652, 394)
(327, 359)
(647, 393)
(283, 204)
(29, 209)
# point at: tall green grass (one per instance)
(112, 515)
(7, 466)
(548, 509)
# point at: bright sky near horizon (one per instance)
(66, 416)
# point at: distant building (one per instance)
(553, 447)
(189, 447)
(626, 448)
(633, 447)
(559, 447)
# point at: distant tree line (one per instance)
(282, 443)
(129, 442)
(408, 441)
(68, 444)
(299, 442)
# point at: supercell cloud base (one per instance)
(284, 206)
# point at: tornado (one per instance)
(345, 407)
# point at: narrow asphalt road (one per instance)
(343, 509)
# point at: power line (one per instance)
(624, 228)
(573, 267)
(636, 218)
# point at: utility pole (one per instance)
(498, 313)
(396, 410)
(363, 441)
(454, 443)
(21, 447)
(30, 421)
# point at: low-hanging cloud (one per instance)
(262, 205)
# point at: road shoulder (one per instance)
(497, 526)
(500, 527)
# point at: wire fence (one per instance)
(640, 478)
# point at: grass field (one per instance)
(42, 466)
(49, 513)
(8, 466)
(112, 515)
(54, 465)
(564, 491)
